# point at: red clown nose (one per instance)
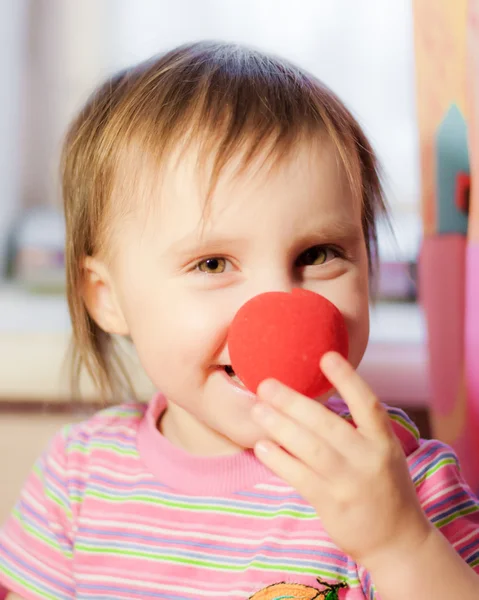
(284, 336)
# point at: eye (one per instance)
(213, 265)
(316, 256)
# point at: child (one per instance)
(192, 183)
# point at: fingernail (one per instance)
(262, 448)
(268, 388)
(331, 360)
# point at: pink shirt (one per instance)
(113, 511)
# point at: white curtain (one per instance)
(13, 45)
(363, 50)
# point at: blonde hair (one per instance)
(231, 100)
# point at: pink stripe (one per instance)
(442, 276)
(472, 344)
(192, 535)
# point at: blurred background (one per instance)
(53, 53)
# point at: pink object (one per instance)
(114, 510)
(442, 277)
(472, 346)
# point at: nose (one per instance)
(265, 280)
(270, 281)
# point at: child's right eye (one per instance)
(214, 265)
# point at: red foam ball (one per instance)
(284, 336)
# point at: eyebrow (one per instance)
(191, 243)
(342, 229)
(345, 231)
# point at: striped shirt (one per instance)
(113, 511)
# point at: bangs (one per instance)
(233, 106)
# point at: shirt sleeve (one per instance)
(447, 501)
(36, 542)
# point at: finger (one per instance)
(306, 446)
(288, 468)
(312, 415)
(368, 413)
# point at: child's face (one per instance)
(179, 279)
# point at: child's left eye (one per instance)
(316, 256)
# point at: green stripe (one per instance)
(39, 536)
(66, 429)
(51, 495)
(257, 564)
(456, 515)
(75, 446)
(405, 423)
(434, 469)
(27, 586)
(118, 411)
(202, 507)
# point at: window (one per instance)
(362, 50)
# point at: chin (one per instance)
(247, 438)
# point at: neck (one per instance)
(181, 429)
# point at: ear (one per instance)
(100, 297)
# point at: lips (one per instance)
(232, 375)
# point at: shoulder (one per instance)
(112, 432)
(97, 444)
(440, 485)
(446, 498)
(433, 457)
(115, 422)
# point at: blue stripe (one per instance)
(44, 528)
(130, 439)
(225, 560)
(117, 592)
(473, 544)
(430, 466)
(447, 500)
(84, 532)
(423, 455)
(271, 496)
(453, 510)
(25, 574)
(60, 490)
(473, 557)
(134, 489)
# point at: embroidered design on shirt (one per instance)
(297, 591)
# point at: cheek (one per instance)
(352, 299)
(356, 313)
(179, 327)
(358, 328)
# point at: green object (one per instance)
(331, 592)
(452, 158)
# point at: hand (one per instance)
(356, 478)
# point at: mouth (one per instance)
(228, 369)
